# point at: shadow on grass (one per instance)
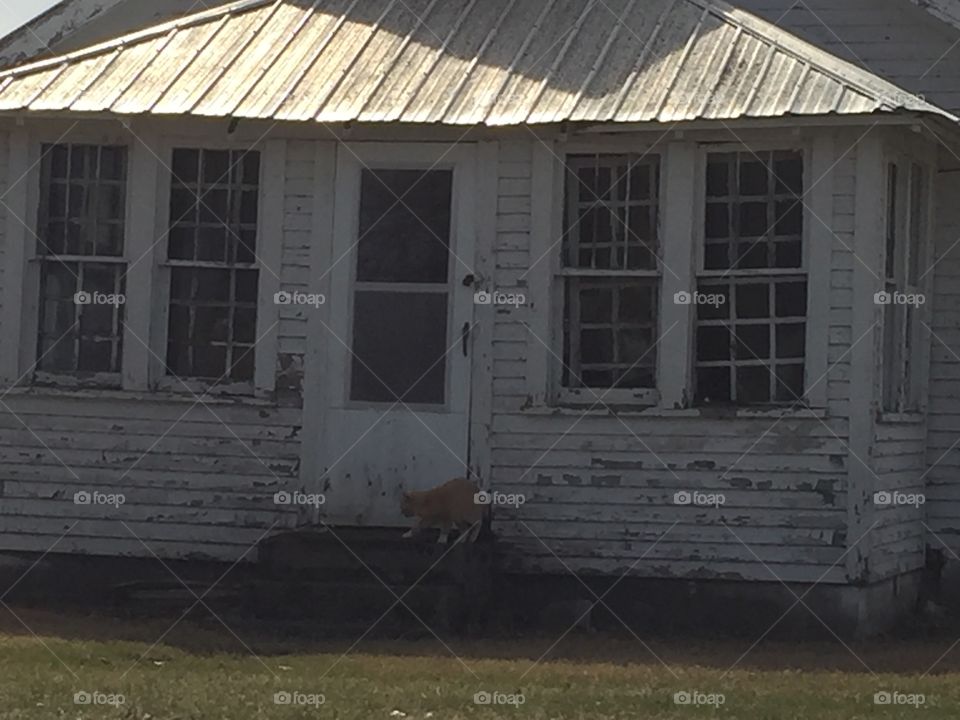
(201, 633)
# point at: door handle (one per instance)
(465, 337)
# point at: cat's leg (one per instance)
(444, 533)
(415, 530)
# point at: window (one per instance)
(214, 205)
(80, 247)
(610, 273)
(750, 341)
(401, 288)
(905, 245)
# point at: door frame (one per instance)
(334, 274)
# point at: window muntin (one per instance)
(610, 274)
(750, 345)
(214, 276)
(80, 230)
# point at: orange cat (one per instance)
(450, 505)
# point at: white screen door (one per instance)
(401, 309)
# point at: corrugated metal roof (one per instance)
(460, 62)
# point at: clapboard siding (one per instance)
(4, 187)
(899, 462)
(198, 480)
(600, 488)
(298, 202)
(943, 413)
(892, 38)
(840, 334)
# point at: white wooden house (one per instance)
(620, 258)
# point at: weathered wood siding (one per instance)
(898, 459)
(943, 418)
(198, 480)
(600, 499)
(892, 38)
(4, 187)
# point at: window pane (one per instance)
(81, 317)
(610, 332)
(754, 202)
(612, 212)
(212, 323)
(405, 218)
(214, 205)
(893, 213)
(214, 199)
(82, 200)
(399, 347)
(750, 340)
(918, 209)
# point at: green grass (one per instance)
(203, 672)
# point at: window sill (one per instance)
(90, 393)
(693, 413)
(901, 418)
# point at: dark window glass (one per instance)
(399, 347)
(404, 226)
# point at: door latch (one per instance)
(465, 337)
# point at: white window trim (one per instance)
(586, 397)
(269, 258)
(25, 167)
(682, 178)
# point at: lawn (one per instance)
(202, 671)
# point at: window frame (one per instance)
(682, 181)
(560, 276)
(912, 369)
(814, 326)
(29, 353)
(268, 257)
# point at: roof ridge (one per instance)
(197, 18)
